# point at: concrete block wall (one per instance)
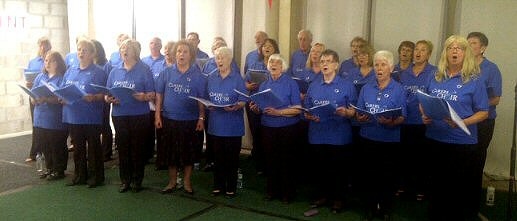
(22, 23)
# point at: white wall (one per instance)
(210, 19)
(411, 20)
(496, 19)
(253, 20)
(335, 23)
(163, 22)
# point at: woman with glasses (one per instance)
(454, 176)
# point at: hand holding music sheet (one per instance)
(323, 111)
(265, 98)
(69, 93)
(37, 92)
(208, 103)
(123, 94)
(389, 113)
(439, 109)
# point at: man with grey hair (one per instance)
(253, 56)
(299, 57)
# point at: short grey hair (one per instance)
(384, 54)
(278, 57)
(224, 51)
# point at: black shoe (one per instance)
(189, 192)
(123, 188)
(76, 181)
(168, 190)
(92, 185)
(56, 176)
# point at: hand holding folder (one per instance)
(265, 98)
(122, 94)
(322, 111)
(439, 109)
(69, 93)
(209, 104)
(388, 113)
(37, 92)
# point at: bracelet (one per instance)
(201, 118)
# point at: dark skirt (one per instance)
(180, 140)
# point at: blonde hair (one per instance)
(224, 51)
(309, 63)
(428, 44)
(469, 68)
(88, 44)
(135, 45)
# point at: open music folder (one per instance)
(438, 109)
(265, 98)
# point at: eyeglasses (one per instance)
(454, 49)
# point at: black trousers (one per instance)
(377, 159)
(454, 187)
(107, 134)
(332, 170)
(485, 133)
(413, 159)
(161, 152)
(279, 145)
(151, 139)
(86, 139)
(255, 128)
(53, 144)
(226, 152)
(131, 134)
(34, 149)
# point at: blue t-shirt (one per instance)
(304, 77)
(411, 84)
(221, 91)
(491, 77)
(287, 90)
(375, 100)
(82, 112)
(347, 65)
(354, 75)
(115, 59)
(140, 79)
(336, 130)
(176, 87)
(466, 99)
(71, 59)
(251, 58)
(201, 55)
(36, 65)
(156, 65)
(46, 115)
(298, 61)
